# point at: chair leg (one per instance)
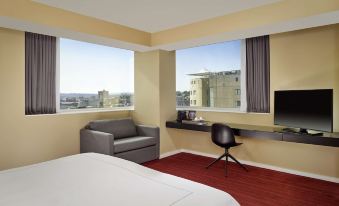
(216, 160)
(238, 162)
(226, 161)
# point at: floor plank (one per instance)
(257, 187)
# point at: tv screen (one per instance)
(306, 109)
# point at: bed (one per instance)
(95, 179)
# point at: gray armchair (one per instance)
(121, 138)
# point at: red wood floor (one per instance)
(256, 187)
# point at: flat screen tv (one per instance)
(304, 109)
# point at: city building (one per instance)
(215, 89)
(103, 98)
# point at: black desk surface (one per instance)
(263, 132)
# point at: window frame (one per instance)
(243, 99)
(77, 111)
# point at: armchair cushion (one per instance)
(120, 128)
(132, 143)
(96, 141)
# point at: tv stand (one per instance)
(302, 131)
(264, 132)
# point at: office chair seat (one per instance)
(222, 135)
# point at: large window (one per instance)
(211, 76)
(95, 76)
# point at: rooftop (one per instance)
(221, 73)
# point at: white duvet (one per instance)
(94, 179)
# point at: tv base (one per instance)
(303, 131)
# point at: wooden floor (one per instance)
(256, 187)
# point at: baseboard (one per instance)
(167, 154)
(256, 164)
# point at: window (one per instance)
(237, 103)
(95, 76)
(237, 91)
(215, 76)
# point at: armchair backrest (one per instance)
(120, 128)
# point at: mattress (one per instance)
(96, 179)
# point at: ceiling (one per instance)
(154, 15)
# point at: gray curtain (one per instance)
(258, 74)
(40, 71)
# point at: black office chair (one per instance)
(222, 135)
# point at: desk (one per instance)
(263, 132)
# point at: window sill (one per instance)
(224, 110)
(207, 109)
(96, 110)
(84, 111)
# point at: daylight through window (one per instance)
(210, 76)
(95, 76)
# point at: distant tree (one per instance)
(125, 99)
(186, 93)
(183, 98)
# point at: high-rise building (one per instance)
(215, 89)
(103, 98)
(199, 92)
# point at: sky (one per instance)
(215, 57)
(88, 68)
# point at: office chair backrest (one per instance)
(222, 135)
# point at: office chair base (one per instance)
(226, 154)
(219, 158)
(235, 160)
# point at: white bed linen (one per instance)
(94, 179)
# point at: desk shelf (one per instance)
(263, 132)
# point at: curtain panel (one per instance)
(258, 74)
(40, 73)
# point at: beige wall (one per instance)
(30, 139)
(155, 92)
(29, 12)
(240, 22)
(167, 98)
(146, 87)
(35, 13)
(304, 59)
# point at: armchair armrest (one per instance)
(150, 131)
(95, 141)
